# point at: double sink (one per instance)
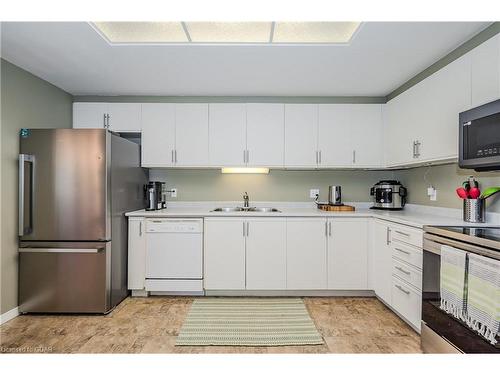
(246, 209)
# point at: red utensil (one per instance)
(474, 192)
(462, 193)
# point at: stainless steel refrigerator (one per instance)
(74, 187)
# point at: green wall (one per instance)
(27, 102)
(445, 178)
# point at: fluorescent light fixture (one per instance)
(142, 32)
(314, 32)
(229, 32)
(245, 170)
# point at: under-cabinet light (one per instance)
(246, 170)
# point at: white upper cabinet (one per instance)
(485, 62)
(124, 117)
(334, 135)
(350, 135)
(158, 135)
(119, 117)
(366, 135)
(227, 141)
(348, 254)
(301, 135)
(90, 115)
(191, 134)
(265, 134)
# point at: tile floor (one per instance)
(150, 325)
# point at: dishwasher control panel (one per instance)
(174, 226)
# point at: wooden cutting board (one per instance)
(328, 207)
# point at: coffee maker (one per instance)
(155, 192)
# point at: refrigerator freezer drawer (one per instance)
(64, 278)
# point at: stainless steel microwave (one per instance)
(479, 137)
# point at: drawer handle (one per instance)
(403, 251)
(402, 233)
(403, 270)
(402, 289)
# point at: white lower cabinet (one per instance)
(306, 260)
(265, 254)
(407, 301)
(224, 254)
(382, 260)
(136, 253)
(348, 254)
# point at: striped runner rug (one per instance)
(248, 322)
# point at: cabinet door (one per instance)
(265, 134)
(485, 74)
(441, 98)
(158, 134)
(124, 117)
(382, 261)
(334, 135)
(348, 254)
(227, 127)
(89, 115)
(266, 254)
(224, 254)
(136, 254)
(191, 134)
(306, 254)
(366, 135)
(301, 135)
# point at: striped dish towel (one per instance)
(452, 281)
(483, 297)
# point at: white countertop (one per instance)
(413, 215)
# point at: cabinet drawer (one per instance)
(407, 273)
(407, 235)
(407, 301)
(409, 254)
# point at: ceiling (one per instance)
(380, 57)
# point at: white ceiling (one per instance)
(381, 56)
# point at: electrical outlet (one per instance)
(173, 193)
(432, 193)
(313, 193)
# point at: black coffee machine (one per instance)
(155, 195)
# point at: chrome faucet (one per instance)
(246, 203)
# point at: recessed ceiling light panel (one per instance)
(229, 32)
(314, 32)
(142, 32)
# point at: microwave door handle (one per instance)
(23, 159)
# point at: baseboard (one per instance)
(290, 293)
(9, 315)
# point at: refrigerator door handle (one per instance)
(58, 250)
(25, 158)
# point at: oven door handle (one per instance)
(433, 243)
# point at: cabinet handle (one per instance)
(417, 149)
(319, 156)
(244, 156)
(140, 229)
(403, 251)
(248, 228)
(316, 157)
(388, 236)
(402, 233)
(353, 156)
(244, 229)
(402, 289)
(326, 229)
(248, 156)
(108, 116)
(172, 156)
(403, 270)
(175, 153)
(104, 120)
(330, 229)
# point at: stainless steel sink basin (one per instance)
(263, 209)
(228, 209)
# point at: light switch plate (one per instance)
(432, 193)
(313, 193)
(173, 193)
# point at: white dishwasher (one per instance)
(174, 256)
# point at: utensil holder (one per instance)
(474, 210)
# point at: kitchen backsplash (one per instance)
(278, 185)
(290, 185)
